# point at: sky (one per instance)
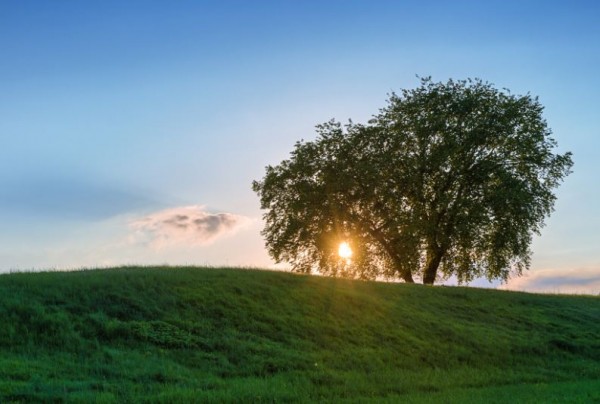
(130, 132)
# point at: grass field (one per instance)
(233, 335)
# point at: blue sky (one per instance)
(119, 115)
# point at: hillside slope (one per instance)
(200, 334)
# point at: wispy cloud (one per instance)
(186, 225)
(579, 280)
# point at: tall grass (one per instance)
(233, 335)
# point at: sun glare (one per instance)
(345, 251)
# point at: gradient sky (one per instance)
(131, 131)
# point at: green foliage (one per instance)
(450, 177)
(231, 335)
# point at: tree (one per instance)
(448, 179)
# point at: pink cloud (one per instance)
(563, 280)
(186, 225)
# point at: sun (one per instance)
(345, 251)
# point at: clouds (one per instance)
(187, 225)
(580, 280)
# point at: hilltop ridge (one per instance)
(208, 334)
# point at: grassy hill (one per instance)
(233, 335)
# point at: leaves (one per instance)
(450, 177)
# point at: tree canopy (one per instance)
(448, 179)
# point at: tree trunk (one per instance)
(405, 274)
(434, 257)
(408, 277)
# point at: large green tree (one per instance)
(448, 179)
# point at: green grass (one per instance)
(233, 335)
